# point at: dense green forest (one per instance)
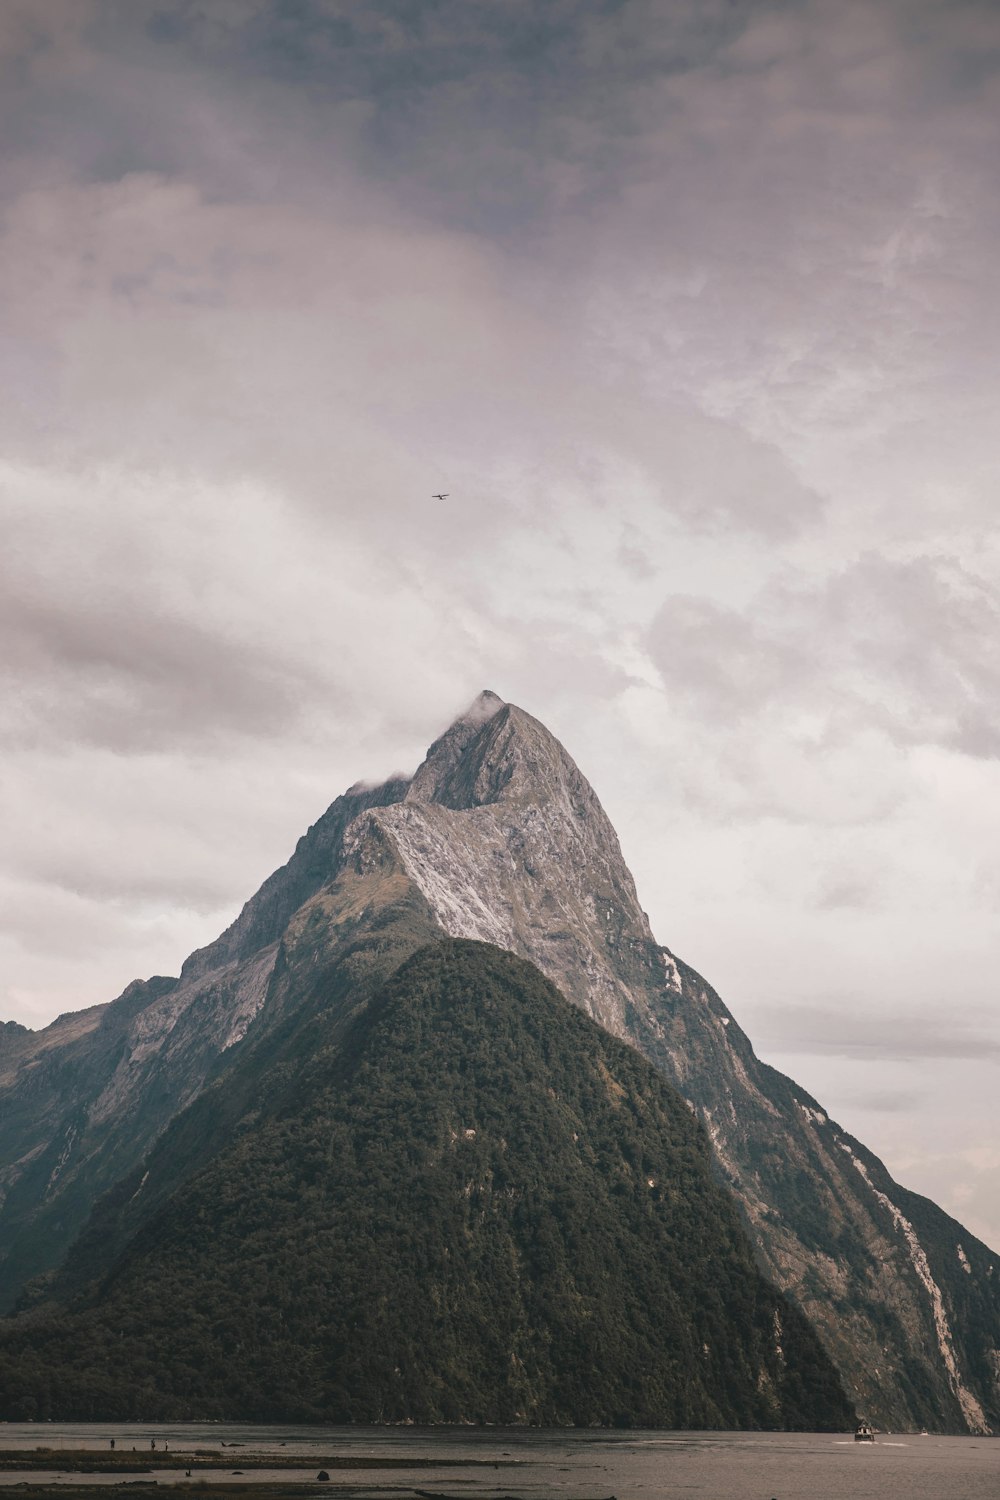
(473, 1205)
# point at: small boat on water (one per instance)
(864, 1433)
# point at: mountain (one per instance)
(474, 1205)
(497, 838)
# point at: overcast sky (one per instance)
(693, 309)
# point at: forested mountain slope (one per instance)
(473, 1205)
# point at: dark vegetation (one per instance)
(468, 1203)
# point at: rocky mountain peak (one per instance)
(447, 754)
(496, 753)
(508, 844)
(10, 1032)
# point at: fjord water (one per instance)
(551, 1465)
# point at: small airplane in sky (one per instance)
(439, 497)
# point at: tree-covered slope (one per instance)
(474, 1206)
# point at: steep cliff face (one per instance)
(498, 837)
(878, 1270)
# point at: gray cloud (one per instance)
(902, 647)
(115, 661)
(889, 1101)
(891, 1034)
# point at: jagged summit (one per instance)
(507, 842)
(484, 706)
(495, 752)
(448, 750)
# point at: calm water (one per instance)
(563, 1465)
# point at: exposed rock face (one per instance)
(504, 841)
(542, 876)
